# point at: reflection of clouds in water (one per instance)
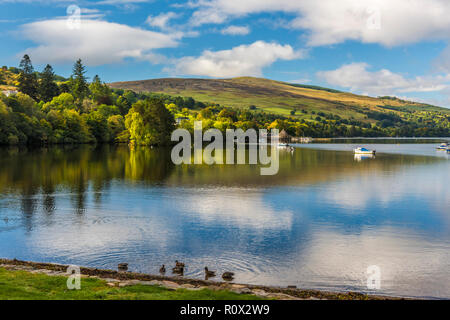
(99, 233)
(425, 184)
(409, 264)
(241, 207)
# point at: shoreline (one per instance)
(117, 278)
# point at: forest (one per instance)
(50, 109)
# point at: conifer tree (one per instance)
(28, 83)
(100, 92)
(78, 82)
(48, 89)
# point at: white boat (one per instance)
(443, 146)
(283, 145)
(362, 150)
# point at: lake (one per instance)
(319, 223)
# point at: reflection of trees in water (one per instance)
(82, 170)
(302, 167)
(78, 169)
(148, 165)
(48, 201)
(28, 205)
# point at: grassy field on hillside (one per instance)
(274, 96)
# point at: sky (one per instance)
(371, 47)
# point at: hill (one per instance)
(276, 96)
(9, 78)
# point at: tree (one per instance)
(116, 126)
(150, 123)
(28, 83)
(78, 82)
(189, 103)
(97, 125)
(100, 92)
(62, 102)
(48, 89)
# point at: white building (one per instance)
(9, 92)
(180, 119)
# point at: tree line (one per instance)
(78, 111)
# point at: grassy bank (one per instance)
(19, 285)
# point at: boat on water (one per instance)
(362, 150)
(283, 145)
(444, 146)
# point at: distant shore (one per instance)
(122, 279)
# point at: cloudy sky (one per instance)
(374, 47)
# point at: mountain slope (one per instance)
(274, 96)
(8, 79)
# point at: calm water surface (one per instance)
(318, 224)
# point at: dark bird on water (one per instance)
(122, 266)
(209, 273)
(228, 276)
(178, 270)
(179, 264)
(162, 270)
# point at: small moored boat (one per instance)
(283, 145)
(444, 146)
(362, 150)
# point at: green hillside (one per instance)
(278, 97)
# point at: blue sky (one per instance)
(374, 47)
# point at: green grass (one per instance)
(23, 285)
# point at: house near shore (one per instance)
(180, 119)
(9, 92)
(283, 136)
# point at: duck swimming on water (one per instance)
(179, 264)
(178, 270)
(228, 276)
(162, 270)
(209, 273)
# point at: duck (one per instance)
(228, 276)
(162, 269)
(209, 273)
(178, 270)
(179, 264)
(122, 266)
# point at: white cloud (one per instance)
(97, 42)
(236, 30)
(300, 81)
(161, 21)
(357, 77)
(244, 60)
(331, 22)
